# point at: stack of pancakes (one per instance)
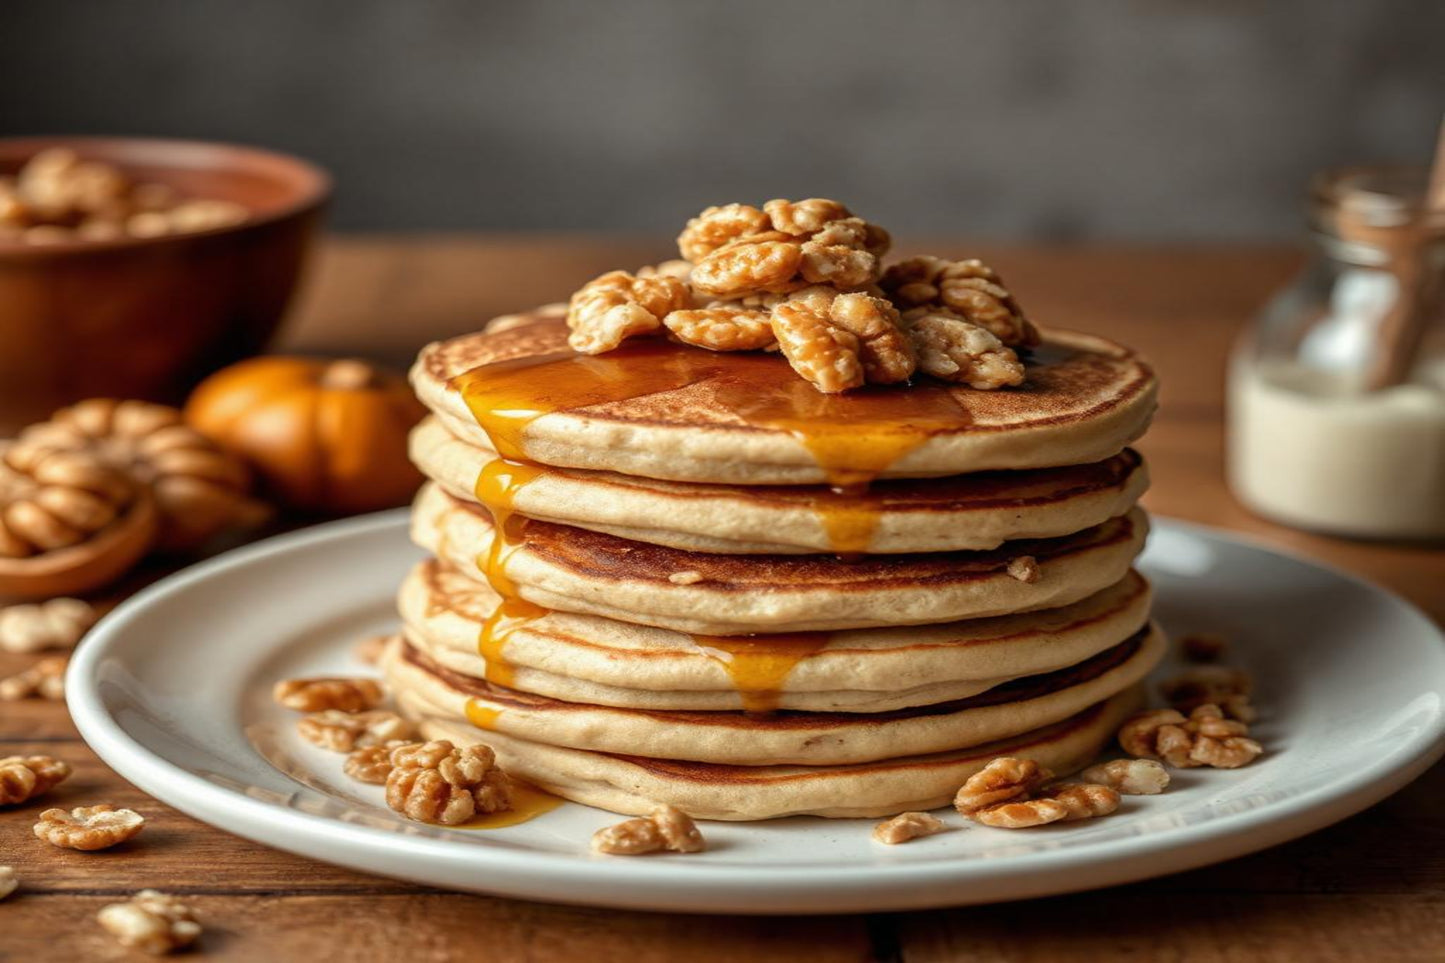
(667, 575)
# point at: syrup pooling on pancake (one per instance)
(758, 665)
(854, 438)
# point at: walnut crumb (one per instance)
(665, 829)
(43, 680)
(22, 778)
(906, 826)
(318, 695)
(344, 731)
(9, 882)
(1025, 568)
(151, 921)
(88, 828)
(685, 578)
(435, 782)
(1132, 777)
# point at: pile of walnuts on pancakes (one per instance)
(807, 278)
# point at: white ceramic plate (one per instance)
(172, 691)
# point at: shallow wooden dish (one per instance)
(148, 317)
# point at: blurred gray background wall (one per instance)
(1132, 119)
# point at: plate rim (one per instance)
(731, 888)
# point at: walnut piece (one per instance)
(54, 624)
(1131, 777)
(615, 306)
(43, 680)
(199, 490)
(9, 882)
(55, 499)
(435, 782)
(318, 695)
(906, 826)
(1217, 685)
(968, 289)
(88, 828)
(1005, 779)
(1022, 814)
(665, 829)
(1203, 646)
(1025, 568)
(951, 348)
(22, 778)
(151, 921)
(884, 349)
(1205, 738)
(718, 227)
(721, 327)
(739, 251)
(372, 764)
(1083, 800)
(688, 577)
(818, 350)
(344, 731)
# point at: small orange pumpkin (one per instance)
(326, 436)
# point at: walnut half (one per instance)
(88, 828)
(664, 829)
(435, 782)
(22, 778)
(151, 921)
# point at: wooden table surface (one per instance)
(1372, 887)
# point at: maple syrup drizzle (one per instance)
(497, 486)
(759, 664)
(853, 437)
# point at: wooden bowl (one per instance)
(149, 317)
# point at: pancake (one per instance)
(633, 785)
(805, 738)
(583, 658)
(958, 513)
(570, 569)
(660, 410)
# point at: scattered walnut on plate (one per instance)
(344, 731)
(1203, 738)
(322, 694)
(907, 826)
(436, 782)
(665, 829)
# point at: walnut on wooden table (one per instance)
(43, 680)
(9, 881)
(54, 624)
(88, 828)
(22, 778)
(154, 922)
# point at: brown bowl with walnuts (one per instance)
(133, 267)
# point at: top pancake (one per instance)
(661, 410)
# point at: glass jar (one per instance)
(1337, 393)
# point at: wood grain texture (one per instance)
(1372, 887)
